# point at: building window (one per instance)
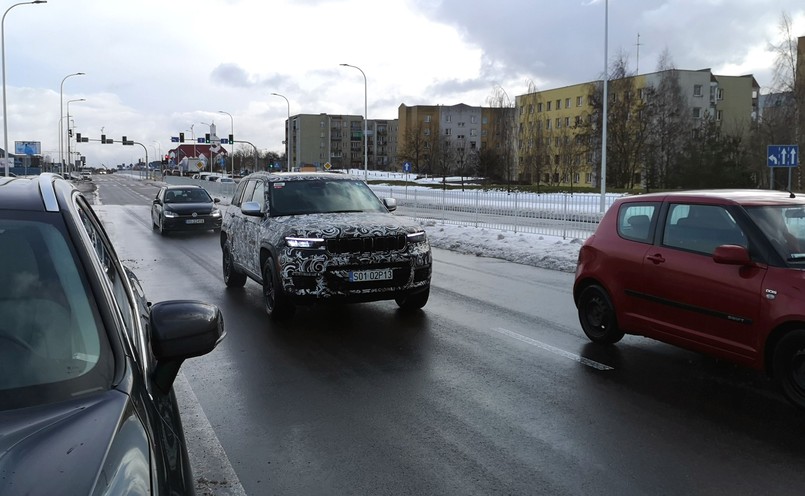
(558, 104)
(719, 114)
(697, 112)
(473, 119)
(473, 132)
(697, 90)
(427, 118)
(579, 101)
(427, 132)
(567, 121)
(547, 123)
(448, 132)
(539, 107)
(720, 93)
(558, 123)
(548, 106)
(567, 103)
(448, 118)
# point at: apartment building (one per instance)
(318, 139)
(551, 123)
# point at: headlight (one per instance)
(308, 243)
(170, 213)
(417, 237)
(215, 213)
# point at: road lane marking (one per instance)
(553, 349)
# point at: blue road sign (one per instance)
(174, 139)
(224, 141)
(407, 167)
(782, 155)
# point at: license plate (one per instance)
(371, 275)
(194, 221)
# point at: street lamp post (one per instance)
(365, 123)
(3, 56)
(603, 201)
(232, 133)
(288, 133)
(61, 118)
(69, 155)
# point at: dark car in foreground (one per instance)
(185, 208)
(719, 272)
(87, 364)
(322, 237)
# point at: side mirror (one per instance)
(182, 329)
(390, 203)
(251, 208)
(732, 255)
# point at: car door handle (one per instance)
(656, 258)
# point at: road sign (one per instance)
(327, 165)
(782, 155)
(224, 141)
(407, 167)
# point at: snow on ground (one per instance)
(547, 252)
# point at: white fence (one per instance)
(554, 214)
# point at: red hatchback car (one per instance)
(720, 272)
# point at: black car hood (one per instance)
(345, 225)
(64, 448)
(189, 208)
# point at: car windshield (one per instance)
(194, 195)
(52, 343)
(784, 225)
(311, 196)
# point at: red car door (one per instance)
(692, 300)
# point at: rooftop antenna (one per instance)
(637, 68)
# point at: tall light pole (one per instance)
(604, 112)
(288, 135)
(61, 118)
(365, 123)
(69, 156)
(3, 56)
(232, 134)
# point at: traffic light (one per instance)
(70, 133)
(231, 138)
(78, 137)
(207, 138)
(103, 139)
(181, 137)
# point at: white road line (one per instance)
(212, 471)
(553, 349)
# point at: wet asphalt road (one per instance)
(491, 389)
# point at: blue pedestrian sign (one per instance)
(783, 155)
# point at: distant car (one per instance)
(317, 238)
(225, 180)
(87, 363)
(185, 208)
(718, 272)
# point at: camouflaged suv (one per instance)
(322, 237)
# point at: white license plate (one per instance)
(194, 221)
(371, 275)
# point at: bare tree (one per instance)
(503, 134)
(414, 146)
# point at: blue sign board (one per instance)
(174, 139)
(224, 141)
(783, 155)
(407, 167)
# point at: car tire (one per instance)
(413, 301)
(232, 277)
(597, 316)
(162, 230)
(154, 224)
(275, 301)
(789, 366)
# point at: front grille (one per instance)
(369, 244)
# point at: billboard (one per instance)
(28, 148)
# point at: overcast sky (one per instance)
(155, 68)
